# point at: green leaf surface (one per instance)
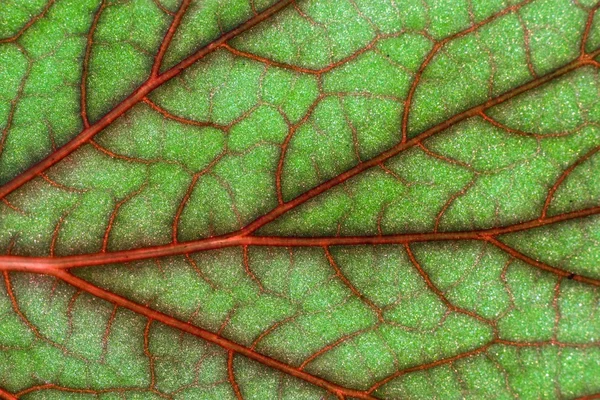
(310, 199)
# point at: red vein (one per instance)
(587, 29)
(349, 285)
(57, 185)
(188, 193)
(163, 8)
(147, 352)
(400, 147)
(527, 41)
(152, 83)
(6, 395)
(436, 48)
(295, 68)
(590, 397)
(168, 37)
(249, 271)
(437, 291)
(86, 60)
(538, 264)
(451, 200)
(231, 375)
(182, 120)
(422, 367)
(106, 335)
(41, 264)
(330, 347)
(284, 146)
(564, 176)
(13, 105)
(204, 334)
(113, 216)
(28, 24)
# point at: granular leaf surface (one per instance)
(309, 199)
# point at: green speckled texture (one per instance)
(400, 200)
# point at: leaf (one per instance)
(299, 199)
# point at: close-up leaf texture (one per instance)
(299, 199)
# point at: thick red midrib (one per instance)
(6, 395)
(206, 335)
(146, 88)
(40, 264)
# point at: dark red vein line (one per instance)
(434, 51)
(152, 83)
(400, 147)
(28, 24)
(6, 395)
(41, 264)
(86, 63)
(206, 335)
(423, 367)
(164, 46)
(538, 264)
(564, 176)
(231, 374)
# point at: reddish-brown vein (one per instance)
(15, 305)
(231, 375)
(13, 104)
(12, 206)
(188, 193)
(204, 334)
(42, 264)
(527, 41)
(152, 83)
(106, 335)
(69, 312)
(508, 129)
(182, 120)
(564, 176)
(111, 154)
(437, 291)
(538, 264)
(24, 319)
(168, 37)
(7, 396)
(330, 347)
(147, 352)
(423, 367)
(184, 201)
(86, 63)
(587, 29)
(544, 343)
(556, 307)
(589, 397)
(270, 329)
(113, 215)
(55, 234)
(284, 146)
(32, 21)
(451, 200)
(472, 353)
(51, 386)
(249, 271)
(295, 68)
(163, 8)
(55, 184)
(400, 147)
(349, 285)
(436, 48)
